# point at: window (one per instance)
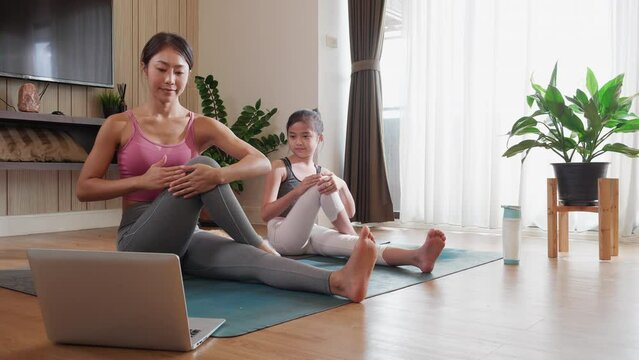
(392, 73)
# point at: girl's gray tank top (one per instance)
(290, 183)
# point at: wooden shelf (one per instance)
(49, 118)
(83, 130)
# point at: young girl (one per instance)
(164, 184)
(295, 190)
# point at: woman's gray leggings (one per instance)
(168, 225)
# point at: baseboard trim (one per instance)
(81, 220)
(55, 222)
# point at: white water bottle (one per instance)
(511, 234)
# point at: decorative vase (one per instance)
(28, 99)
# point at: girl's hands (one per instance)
(326, 182)
(159, 177)
(333, 183)
(307, 183)
(329, 183)
(201, 178)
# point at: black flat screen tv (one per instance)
(64, 41)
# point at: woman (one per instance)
(164, 184)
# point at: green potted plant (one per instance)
(110, 102)
(580, 127)
(248, 126)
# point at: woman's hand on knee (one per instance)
(160, 177)
(200, 179)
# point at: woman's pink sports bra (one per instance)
(139, 153)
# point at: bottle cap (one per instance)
(512, 211)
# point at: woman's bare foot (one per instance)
(429, 252)
(351, 281)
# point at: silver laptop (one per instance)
(121, 299)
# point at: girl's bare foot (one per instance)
(428, 253)
(351, 281)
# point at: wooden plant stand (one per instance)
(608, 210)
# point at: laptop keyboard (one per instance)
(194, 332)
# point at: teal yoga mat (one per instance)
(250, 307)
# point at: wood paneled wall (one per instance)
(134, 22)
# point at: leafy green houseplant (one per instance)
(248, 126)
(110, 102)
(581, 125)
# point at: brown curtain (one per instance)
(364, 168)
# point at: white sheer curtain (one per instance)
(468, 72)
(625, 40)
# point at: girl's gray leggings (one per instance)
(169, 225)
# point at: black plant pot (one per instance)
(577, 182)
(109, 110)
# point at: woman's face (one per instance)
(167, 74)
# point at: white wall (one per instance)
(275, 50)
(334, 82)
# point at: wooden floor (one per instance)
(573, 307)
